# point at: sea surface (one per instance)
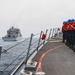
(2, 43)
(14, 53)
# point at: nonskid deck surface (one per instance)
(60, 60)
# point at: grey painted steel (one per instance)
(39, 40)
(52, 32)
(49, 34)
(29, 48)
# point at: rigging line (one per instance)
(33, 46)
(36, 34)
(16, 44)
(39, 33)
(19, 62)
(14, 60)
(35, 42)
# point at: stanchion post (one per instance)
(49, 34)
(52, 32)
(39, 41)
(57, 30)
(29, 48)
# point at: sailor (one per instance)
(72, 27)
(64, 31)
(69, 32)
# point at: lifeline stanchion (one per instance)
(55, 32)
(39, 40)
(49, 34)
(29, 48)
(52, 32)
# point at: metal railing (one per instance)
(20, 52)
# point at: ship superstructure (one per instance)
(13, 34)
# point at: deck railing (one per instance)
(22, 51)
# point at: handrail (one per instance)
(32, 44)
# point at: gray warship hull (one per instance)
(11, 39)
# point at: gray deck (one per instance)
(60, 61)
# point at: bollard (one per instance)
(39, 73)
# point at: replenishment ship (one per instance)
(13, 34)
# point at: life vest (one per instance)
(73, 26)
(43, 36)
(64, 27)
(69, 25)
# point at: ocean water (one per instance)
(15, 52)
(2, 43)
(12, 56)
(9, 59)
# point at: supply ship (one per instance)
(13, 34)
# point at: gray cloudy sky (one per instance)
(32, 16)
